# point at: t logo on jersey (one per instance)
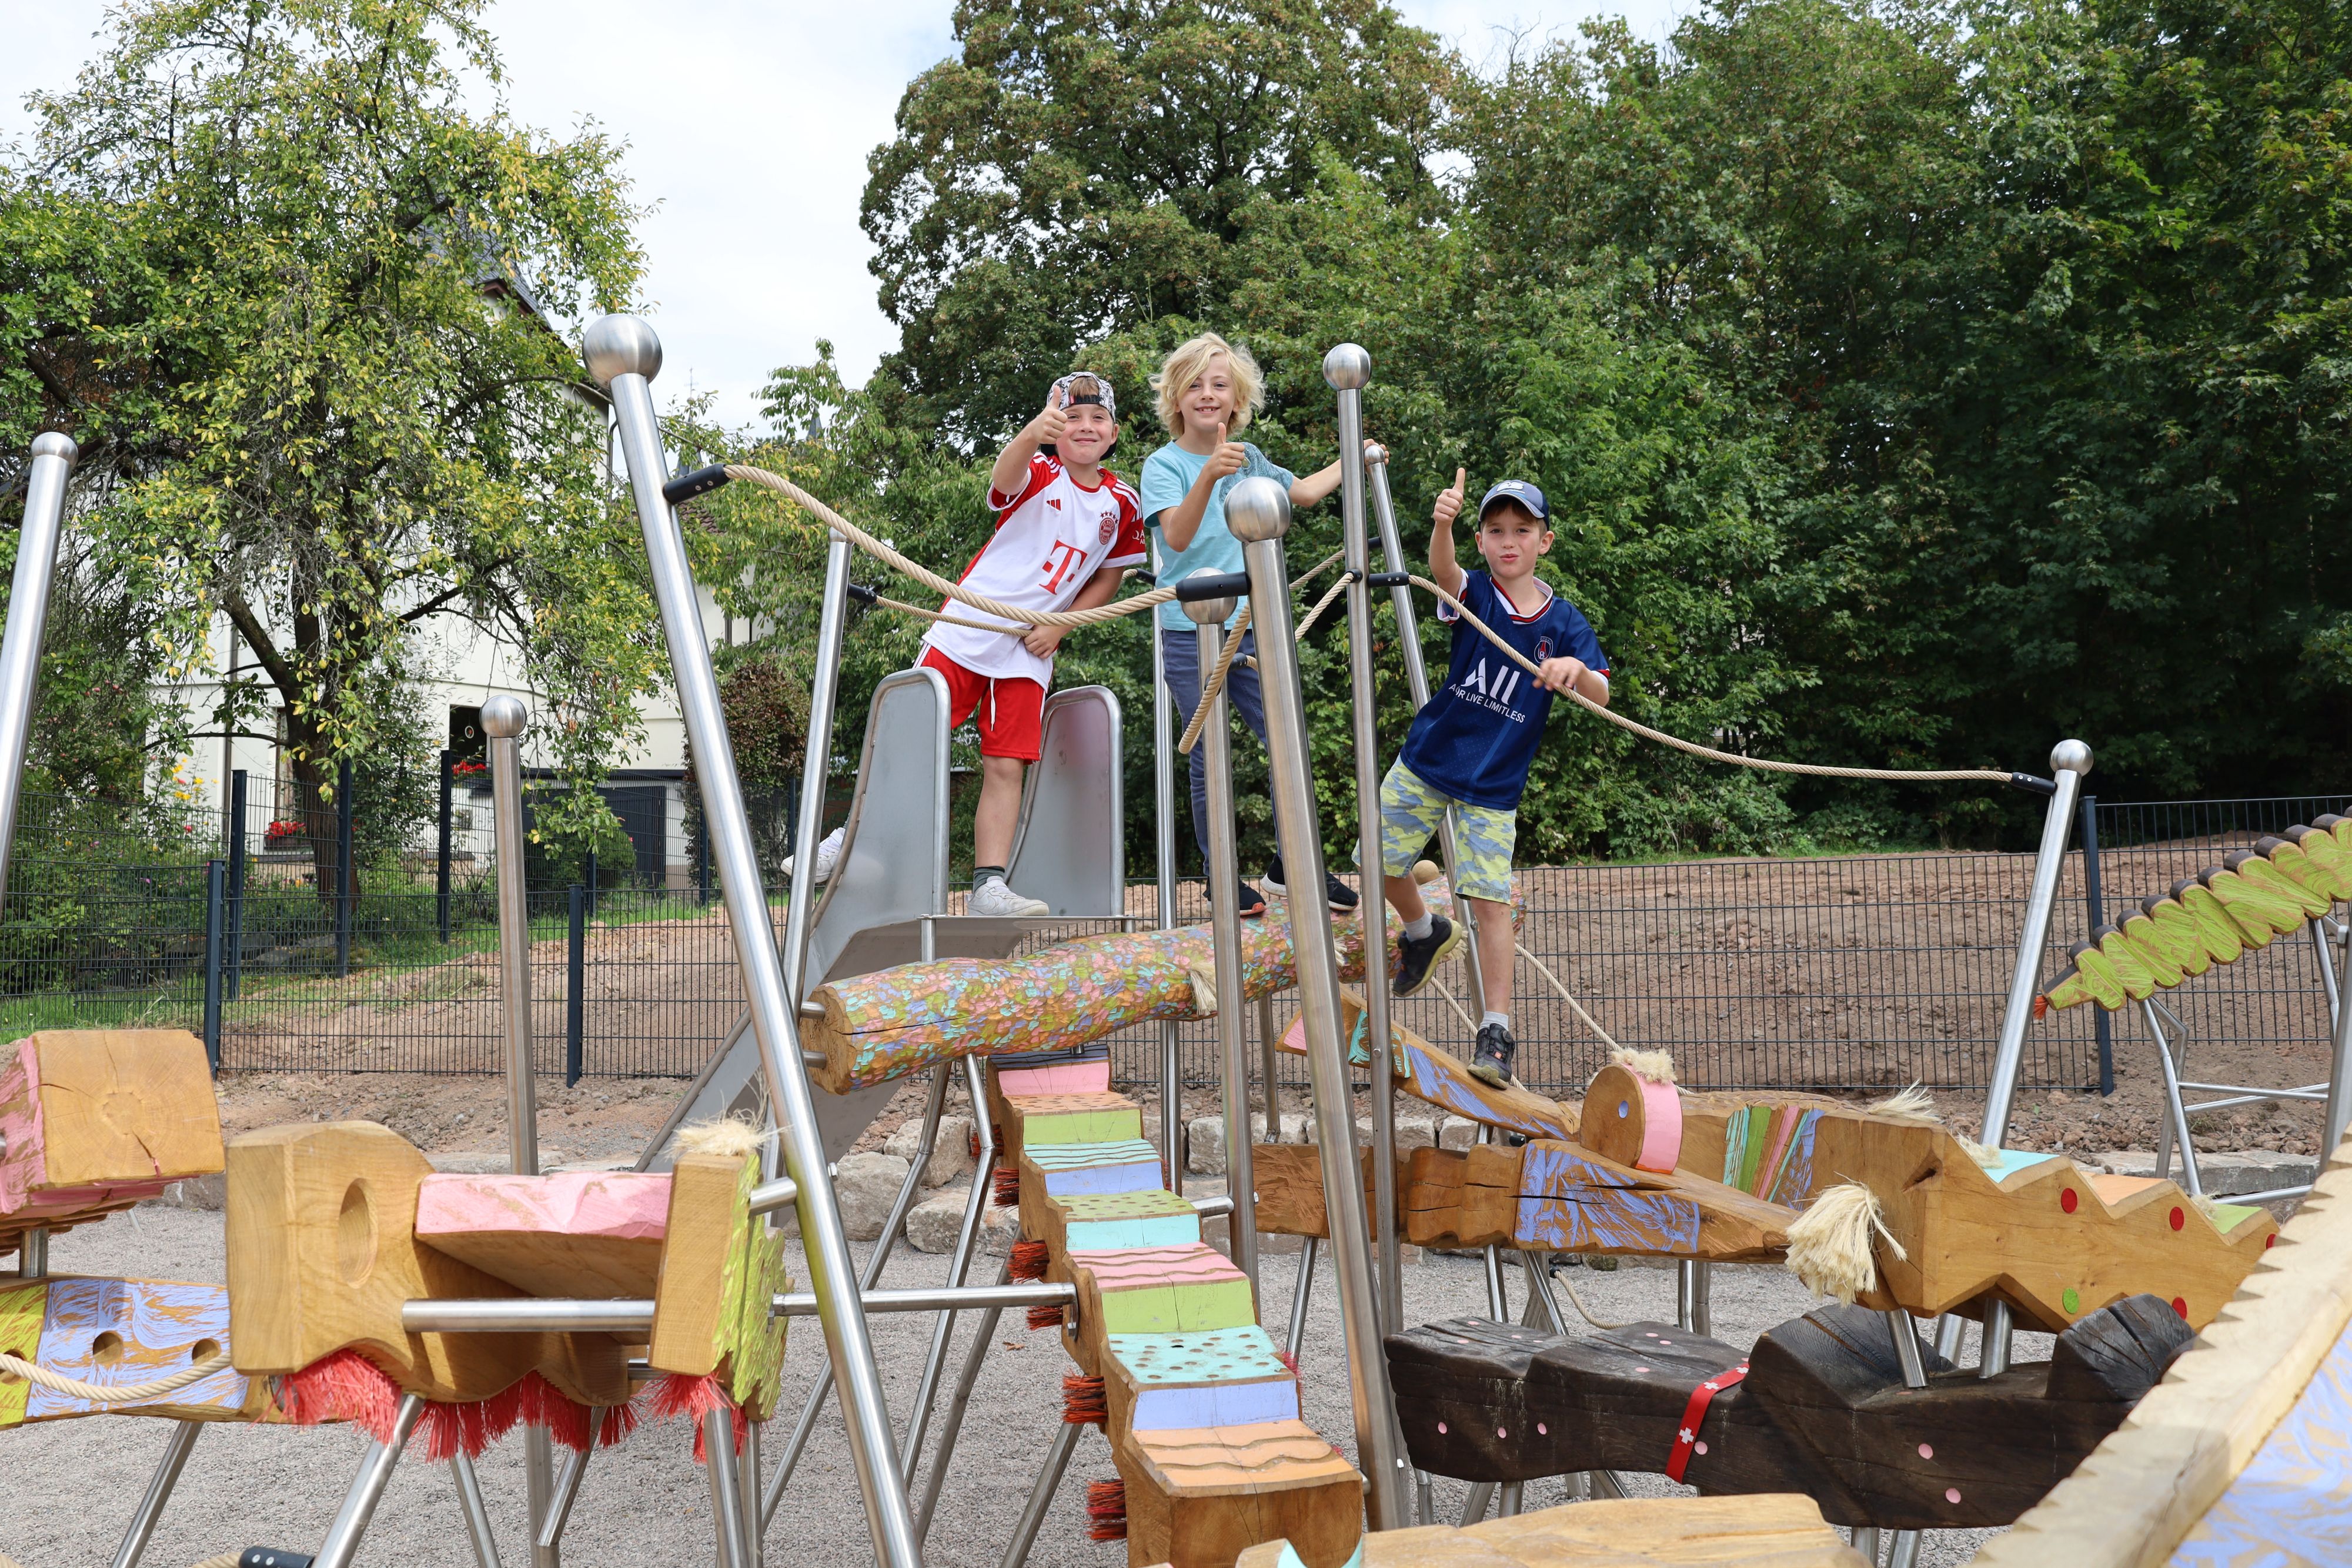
(1057, 566)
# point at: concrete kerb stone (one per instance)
(2223, 1171)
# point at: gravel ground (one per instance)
(71, 1485)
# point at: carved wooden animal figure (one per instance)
(1202, 1413)
(1818, 1407)
(93, 1120)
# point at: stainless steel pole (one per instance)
(1209, 617)
(1258, 512)
(2339, 1065)
(1040, 1493)
(975, 1213)
(1347, 369)
(342, 1542)
(622, 353)
(984, 1336)
(1416, 674)
(53, 453)
(472, 1510)
(726, 1489)
(2069, 760)
(504, 722)
(825, 689)
(159, 1492)
(1163, 796)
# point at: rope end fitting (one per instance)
(695, 482)
(1389, 580)
(863, 595)
(2033, 784)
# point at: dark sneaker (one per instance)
(1338, 895)
(1417, 955)
(1250, 905)
(1496, 1051)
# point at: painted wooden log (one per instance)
(1202, 1415)
(1439, 1078)
(1631, 1120)
(1556, 1196)
(2238, 1457)
(93, 1121)
(1818, 1407)
(117, 1332)
(1767, 1531)
(882, 1026)
(578, 1234)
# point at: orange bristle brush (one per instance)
(1029, 1260)
(1044, 1317)
(1107, 1511)
(1084, 1401)
(1008, 1187)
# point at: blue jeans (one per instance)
(1180, 650)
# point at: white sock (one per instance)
(1417, 929)
(1493, 1017)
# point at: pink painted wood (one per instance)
(1661, 1126)
(1065, 1078)
(623, 1205)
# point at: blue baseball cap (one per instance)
(1519, 490)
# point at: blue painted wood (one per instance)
(1563, 1170)
(1601, 1220)
(1160, 1230)
(1217, 1404)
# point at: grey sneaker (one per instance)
(828, 855)
(1496, 1052)
(1417, 957)
(995, 897)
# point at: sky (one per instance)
(748, 124)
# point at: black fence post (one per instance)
(216, 923)
(575, 986)
(441, 865)
(2091, 893)
(701, 858)
(346, 883)
(237, 793)
(592, 881)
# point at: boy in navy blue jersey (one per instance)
(1473, 741)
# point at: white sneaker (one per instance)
(828, 855)
(995, 897)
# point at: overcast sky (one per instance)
(748, 123)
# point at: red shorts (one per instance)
(1011, 707)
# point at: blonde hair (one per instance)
(1187, 364)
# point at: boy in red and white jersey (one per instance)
(1066, 527)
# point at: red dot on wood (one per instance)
(1926, 1450)
(1951, 1494)
(2269, 1242)
(2179, 1220)
(2180, 1306)
(2068, 1201)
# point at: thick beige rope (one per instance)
(1766, 763)
(1225, 657)
(1570, 998)
(129, 1394)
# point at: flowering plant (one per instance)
(278, 832)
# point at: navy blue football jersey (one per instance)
(1476, 738)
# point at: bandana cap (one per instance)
(1085, 386)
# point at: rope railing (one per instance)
(104, 1394)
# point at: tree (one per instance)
(300, 306)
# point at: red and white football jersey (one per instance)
(1050, 539)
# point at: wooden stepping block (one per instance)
(1072, 1170)
(322, 1253)
(1073, 1119)
(1161, 1289)
(1555, 1196)
(117, 1332)
(1771, 1531)
(2051, 1240)
(93, 1121)
(721, 1270)
(574, 1234)
(1220, 1377)
(1290, 1180)
(1823, 1410)
(1197, 1497)
(1096, 1222)
(1441, 1078)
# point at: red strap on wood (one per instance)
(1687, 1435)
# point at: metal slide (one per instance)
(888, 894)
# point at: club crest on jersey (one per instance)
(1109, 525)
(1543, 649)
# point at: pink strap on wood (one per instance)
(1694, 1413)
(1661, 1126)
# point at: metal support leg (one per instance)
(159, 1492)
(1299, 1297)
(747, 1489)
(1693, 1296)
(622, 353)
(953, 1427)
(1474, 1507)
(1041, 1494)
(567, 1487)
(1992, 1360)
(1904, 1552)
(1542, 1305)
(342, 1542)
(54, 453)
(2177, 1114)
(1507, 1498)
(975, 1215)
(2069, 761)
(1866, 1541)
(1915, 1375)
(471, 1509)
(1267, 1049)
(2339, 1062)
(726, 1489)
(1163, 791)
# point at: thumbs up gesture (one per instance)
(1230, 458)
(1449, 501)
(1047, 427)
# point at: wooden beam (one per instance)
(93, 1120)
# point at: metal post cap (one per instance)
(1213, 611)
(2072, 756)
(621, 346)
(1257, 509)
(1347, 367)
(1375, 454)
(55, 444)
(504, 717)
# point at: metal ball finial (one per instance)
(504, 717)
(2071, 757)
(55, 444)
(621, 346)
(1209, 612)
(1347, 367)
(1257, 509)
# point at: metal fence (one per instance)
(1866, 972)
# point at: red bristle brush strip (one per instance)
(1029, 1260)
(1107, 1511)
(1007, 1188)
(1084, 1401)
(1044, 1317)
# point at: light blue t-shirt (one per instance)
(1168, 475)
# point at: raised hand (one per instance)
(1449, 501)
(1051, 421)
(1230, 458)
